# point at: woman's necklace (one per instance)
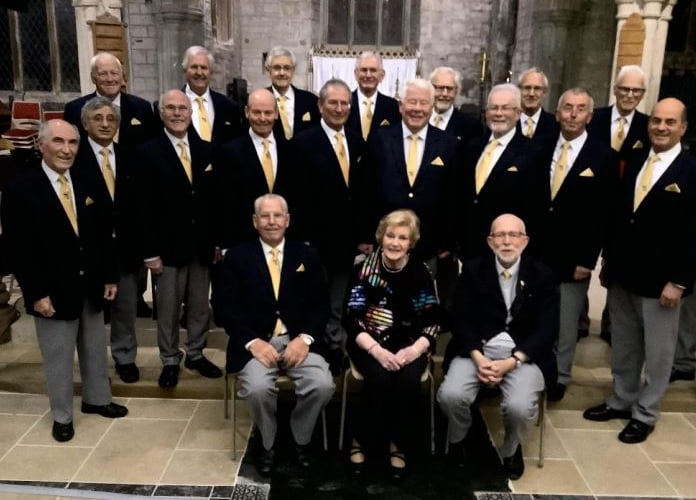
(394, 269)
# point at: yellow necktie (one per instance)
(282, 110)
(204, 128)
(274, 270)
(267, 164)
(506, 274)
(483, 167)
(66, 201)
(108, 172)
(342, 156)
(529, 127)
(619, 136)
(185, 160)
(645, 181)
(412, 159)
(438, 121)
(561, 169)
(366, 119)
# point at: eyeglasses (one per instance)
(444, 88)
(170, 108)
(513, 235)
(505, 109)
(106, 74)
(630, 90)
(277, 68)
(532, 88)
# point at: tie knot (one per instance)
(339, 136)
(506, 274)
(265, 143)
(200, 99)
(622, 120)
(493, 144)
(367, 102)
(653, 159)
(529, 121)
(182, 144)
(565, 146)
(62, 179)
(104, 152)
(282, 98)
(275, 252)
(413, 137)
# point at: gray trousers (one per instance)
(193, 281)
(685, 354)
(124, 345)
(520, 388)
(57, 341)
(314, 387)
(644, 336)
(573, 300)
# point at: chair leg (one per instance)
(323, 428)
(432, 414)
(226, 398)
(541, 423)
(344, 395)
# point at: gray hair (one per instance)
(630, 69)
(368, 53)
(196, 50)
(103, 55)
(420, 83)
(279, 51)
(507, 87)
(576, 91)
(333, 82)
(451, 71)
(531, 70)
(97, 103)
(270, 197)
(43, 129)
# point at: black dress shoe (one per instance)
(603, 413)
(605, 335)
(303, 455)
(128, 372)
(203, 366)
(583, 333)
(514, 465)
(265, 461)
(681, 375)
(169, 376)
(457, 454)
(112, 410)
(63, 432)
(556, 392)
(635, 432)
(144, 310)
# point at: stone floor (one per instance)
(178, 444)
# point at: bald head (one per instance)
(261, 111)
(667, 124)
(508, 239)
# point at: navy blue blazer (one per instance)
(546, 132)
(305, 115)
(385, 113)
(45, 254)
(655, 244)
(571, 229)
(246, 307)
(637, 141)
(464, 127)
(335, 212)
(506, 191)
(125, 209)
(177, 214)
(431, 195)
(138, 122)
(479, 312)
(239, 180)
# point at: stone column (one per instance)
(502, 39)
(553, 21)
(85, 11)
(179, 25)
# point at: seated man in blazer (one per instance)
(271, 299)
(505, 320)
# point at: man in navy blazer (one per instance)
(366, 99)
(110, 170)
(574, 197)
(240, 175)
(648, 269)
(178, 241)
(339, 200)
(422, 182)
(301, 111)
(505, 319)
(536, 123)
(495, 173)
(137, 119)
(447, 82)
(57, 233)
(272, 301)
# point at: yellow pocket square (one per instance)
(88, 201)
(587, 173)
(306, 117)
(209, 168)
(673, 188)
(135, 121)
(437, 162)
(300, 269)
(384, 123)
(638, 144)
(512, 169)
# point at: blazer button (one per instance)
(410, 195)
(476, 202)
(82, 273)
(550, 209)
(277, 314)
(631, 221)
(507, 328)
(193, 191)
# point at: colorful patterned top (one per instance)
(394, 307)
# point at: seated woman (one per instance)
(392, 317)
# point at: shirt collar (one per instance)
(535, 117)
(52, 174)
(257, 139)
(331, 132)
(290, 94)
(116, 101)
(193, 96)
(514, 269)
(422, 133)
(505, 138)
(267, 248)
(445, 116)
(98, 147)
(175, 140)
(615, 115)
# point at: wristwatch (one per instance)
(518, 361)
(306, 339)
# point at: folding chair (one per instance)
(24, 128)
(52, 115)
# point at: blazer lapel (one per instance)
(261, 264)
